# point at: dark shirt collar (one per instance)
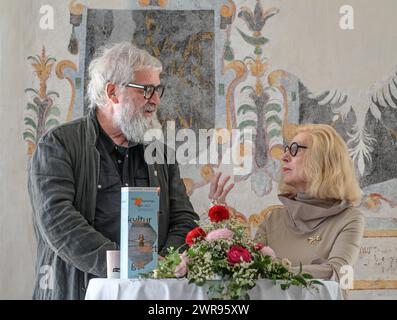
(106, 140)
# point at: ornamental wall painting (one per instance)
(220, 72)
(42, 111)
(209, 85)
(188, 58)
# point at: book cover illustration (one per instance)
(139, 231)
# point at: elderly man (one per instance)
(78, 169)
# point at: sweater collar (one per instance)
(306, 213)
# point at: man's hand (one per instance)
(218, 192)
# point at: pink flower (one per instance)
(181, 268)
(219, 234)
(267, 251)
(184, 257)
(238, 254)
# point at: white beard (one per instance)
(133, 124)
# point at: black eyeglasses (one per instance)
(293, 148)
(148, 90)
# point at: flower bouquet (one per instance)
(221, 249)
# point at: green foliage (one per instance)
(165, 267)
(274, 133)
(31, 90)
(30, 122)
(52, 93)
(32, 107)
(29, 136)
(274, 118)
(35, 59)
(247, 88)
(207, 262)
(228, 54)
(51, 123)
(246, 123)
(255, 41)
(53, 111)
(243, 109)
(273, 107)
(258, 51)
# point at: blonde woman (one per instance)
(318, 225)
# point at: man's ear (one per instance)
(111, 92)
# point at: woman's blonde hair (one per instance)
(328, 168)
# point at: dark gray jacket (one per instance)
(62, 183)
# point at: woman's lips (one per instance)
(286, 169)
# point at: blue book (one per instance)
(139, 231)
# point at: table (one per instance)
(180, 289)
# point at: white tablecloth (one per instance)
(180, 289)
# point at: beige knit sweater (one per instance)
(322, 252)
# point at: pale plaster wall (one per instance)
(369, 51)
(17, 242)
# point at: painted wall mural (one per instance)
(188, 71)
(76, 17)
(219, 73)
(41, 111)
(263, 112)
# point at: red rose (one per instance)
(195, 235)
(238, 254)
(259, 246)
(218, 213)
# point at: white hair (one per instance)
(132, 122)
(116, 63)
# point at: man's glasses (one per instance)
(148, 90)
(293, 148)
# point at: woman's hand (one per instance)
(218, 190)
